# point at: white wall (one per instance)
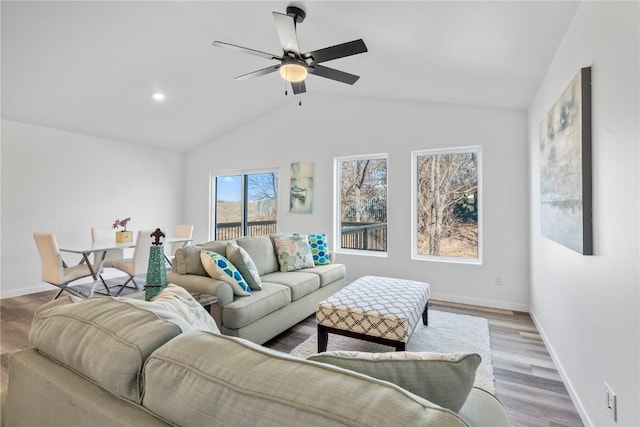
(587, 307)
(66, 183)
(327, 127)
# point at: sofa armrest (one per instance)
(203, 285)
(483, 409)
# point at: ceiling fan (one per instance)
(293, 65)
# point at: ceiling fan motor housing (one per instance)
(297, 14)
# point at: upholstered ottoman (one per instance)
(378, 309)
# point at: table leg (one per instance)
(96, 273)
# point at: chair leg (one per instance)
(71, 291)
(104, 283)
(130, 279)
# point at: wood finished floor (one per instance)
(526, 379)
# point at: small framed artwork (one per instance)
(301, 196)
(565, 167)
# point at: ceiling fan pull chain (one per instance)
(300, 102)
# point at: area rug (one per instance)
(446, 333)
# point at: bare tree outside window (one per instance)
(447, 203)
(363, 203)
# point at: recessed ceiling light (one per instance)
(158, 96)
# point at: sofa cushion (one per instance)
(219, 267)
(444, 379)
(229, 381)
(246, 310)
(328, 273)
(300, 283)
(105, 339)
(319, 248)
(245, 265)
(260, 249)
(187, 258)
(293, 253)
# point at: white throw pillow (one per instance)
(180, 301)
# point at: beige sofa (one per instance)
(119, 362)
(286, 298)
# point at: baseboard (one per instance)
(563, 374)
(481, 302)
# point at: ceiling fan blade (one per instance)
(333, 74)
(298, 87)
(258, 73)
(246, 50)
(286, 27)
(338, 51)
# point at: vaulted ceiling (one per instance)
(91, 66)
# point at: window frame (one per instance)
(243, 173)
(477, 149)
(337, 214)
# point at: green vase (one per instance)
(156, 273)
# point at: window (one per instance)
(361, 203)
(245, 204)
(446, 204)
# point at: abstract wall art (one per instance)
(301, 196)
(565, 167)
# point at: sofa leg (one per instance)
(323, 338)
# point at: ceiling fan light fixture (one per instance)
(293, 72)
(158, 96)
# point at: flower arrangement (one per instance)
(121, 223)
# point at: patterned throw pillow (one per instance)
(294, 253)
(319, 248)
(245, 265)
(221, 268)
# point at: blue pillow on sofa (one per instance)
(319, 248)
(221, 268)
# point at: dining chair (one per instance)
(138, 263)
(53, 267)
(182, 231)
(105, 234)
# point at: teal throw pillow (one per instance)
(294, 253)
(219, 267)
(319, 248)
(245, 265)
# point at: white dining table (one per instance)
(105, 246)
